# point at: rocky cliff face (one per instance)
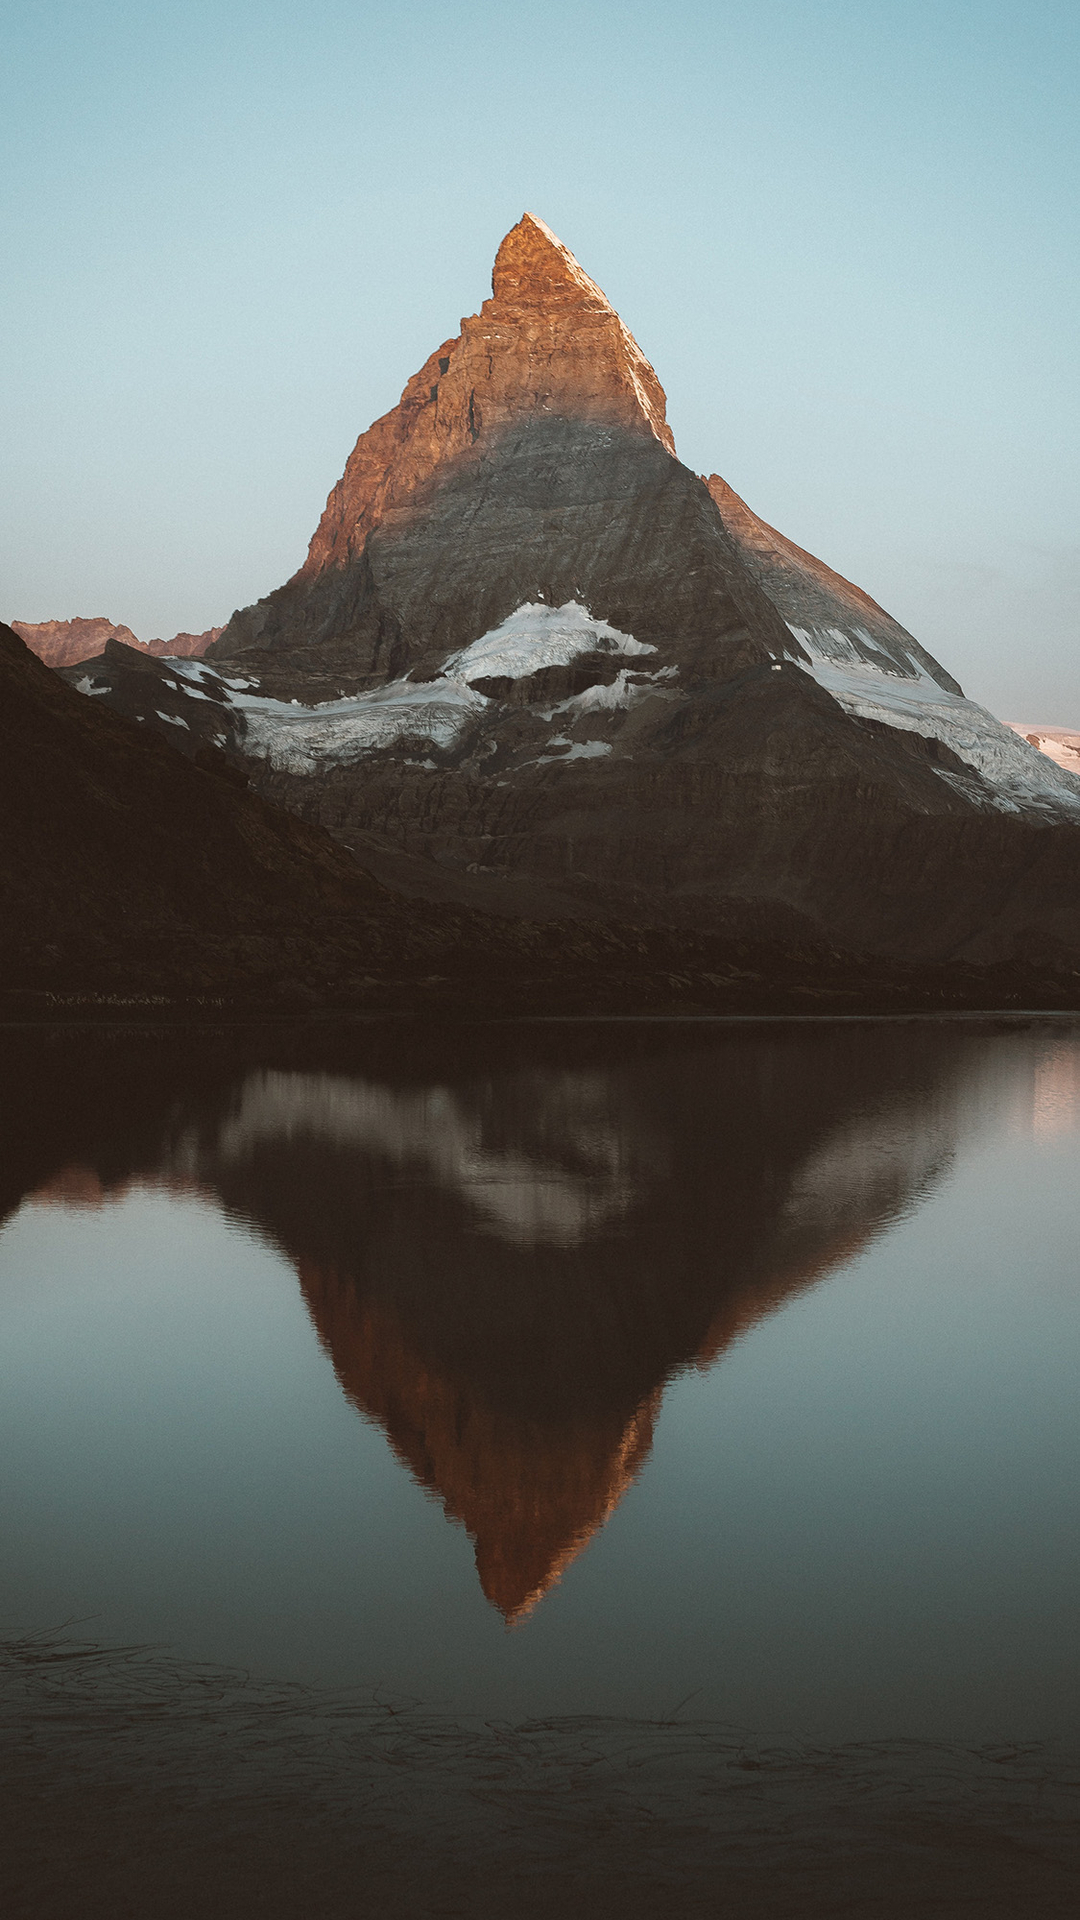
(184, 646)
(546, 344)
(533, 662)
(528, 461)
(64, 643)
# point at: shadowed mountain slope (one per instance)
(117, 851)
(128, 867)
(132, 869)
(819, 605)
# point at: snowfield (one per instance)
(1060, 744)
(305, 740)
(338, 732)
(1023, 779)
(537, 636)
(898, 689)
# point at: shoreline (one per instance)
(143, 1784)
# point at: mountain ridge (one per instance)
(66, 643)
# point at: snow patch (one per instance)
(619, 693)
(855, 647)
(581, 749)
(298, 739)
(1022, 779)
(303, 740)
(588, 750)
(538, 636)
(196, 673)
(196, 693)
(601, 699)
(339, 732)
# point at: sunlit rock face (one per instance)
(528, 462)
(546, 343)
(507, 1257)
(62, 643)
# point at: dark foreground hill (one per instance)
(127, 868)
(130, 872)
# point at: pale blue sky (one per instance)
(845, 234)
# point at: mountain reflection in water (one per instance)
(509, 1243)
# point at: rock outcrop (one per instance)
(184, 646)
(63, 643)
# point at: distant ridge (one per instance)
(65, 643)
(1060, 744)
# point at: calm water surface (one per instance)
(557, 1369)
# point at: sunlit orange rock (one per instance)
(63, 643)
(530, 1493)
(66, 643)
(547, 342)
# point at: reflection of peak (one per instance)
(531, 1493)
(507, 1259)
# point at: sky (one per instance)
(843, 231)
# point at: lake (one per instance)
(722, 1370)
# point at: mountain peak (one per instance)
(534, 268)
(548, 346)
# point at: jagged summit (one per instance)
(534, 268)
(547, 345)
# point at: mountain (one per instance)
(533, 663)
(184, 646)
(64, 643)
